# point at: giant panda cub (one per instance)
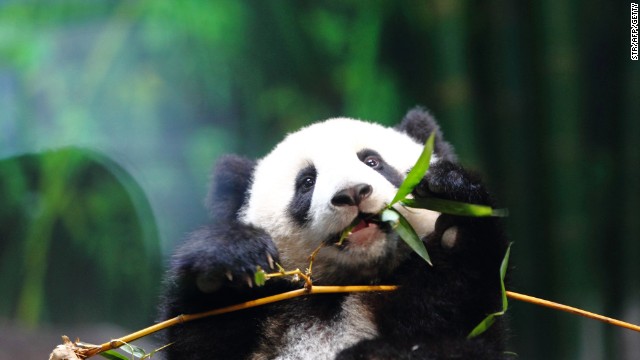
(317, 182)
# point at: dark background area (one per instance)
(113, 112)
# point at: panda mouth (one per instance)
(362, 230)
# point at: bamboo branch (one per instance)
(85, 350)
(572, 310)
(89, 351)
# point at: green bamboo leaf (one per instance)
(113, 355)
(345, 234)
(417, 172)
(260, 277)
(454, 207)
(483, 326)
(491, 318)
(406, 233)
(503, 272)
(133, 350)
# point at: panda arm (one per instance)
(463, 235)
(447, 179)
(215, 264)
(467, 254)
(464, 282)
(214, 268)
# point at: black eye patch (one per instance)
(301, 203)
(372, 159)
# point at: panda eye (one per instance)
(372, 162)
(306, 179)
(308, 182)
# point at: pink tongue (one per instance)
(361, 225)
(364, 235)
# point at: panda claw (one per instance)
(249, 281)
(229, 275)
(270, 260)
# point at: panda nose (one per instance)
(352, 196)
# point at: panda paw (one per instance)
(225, 258)
(240, 274)
(448, 180)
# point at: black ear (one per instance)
(230, 184)
(419, 124)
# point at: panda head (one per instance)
(331, 175)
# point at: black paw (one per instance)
(448, 180)
(226, 256)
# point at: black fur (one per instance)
(419, 124)
(232, 177)
(218, 259)
(429, 317)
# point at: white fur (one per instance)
(332, 147)
(313, 339)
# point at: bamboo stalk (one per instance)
(572, 310)
(87, 352)
(116, 343)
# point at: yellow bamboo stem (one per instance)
(572, 310)
(116, 343)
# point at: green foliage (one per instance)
(345, 234)
(406, 232)
(397, 221)
(135, 352)
(417, 173)
(491, 318)
(74, 217)
(259, 277)
(454, 207)
(415, 176)
(113, 355)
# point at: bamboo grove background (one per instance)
(112, 114)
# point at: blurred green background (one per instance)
(113, 112)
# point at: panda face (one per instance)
(324, 178)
